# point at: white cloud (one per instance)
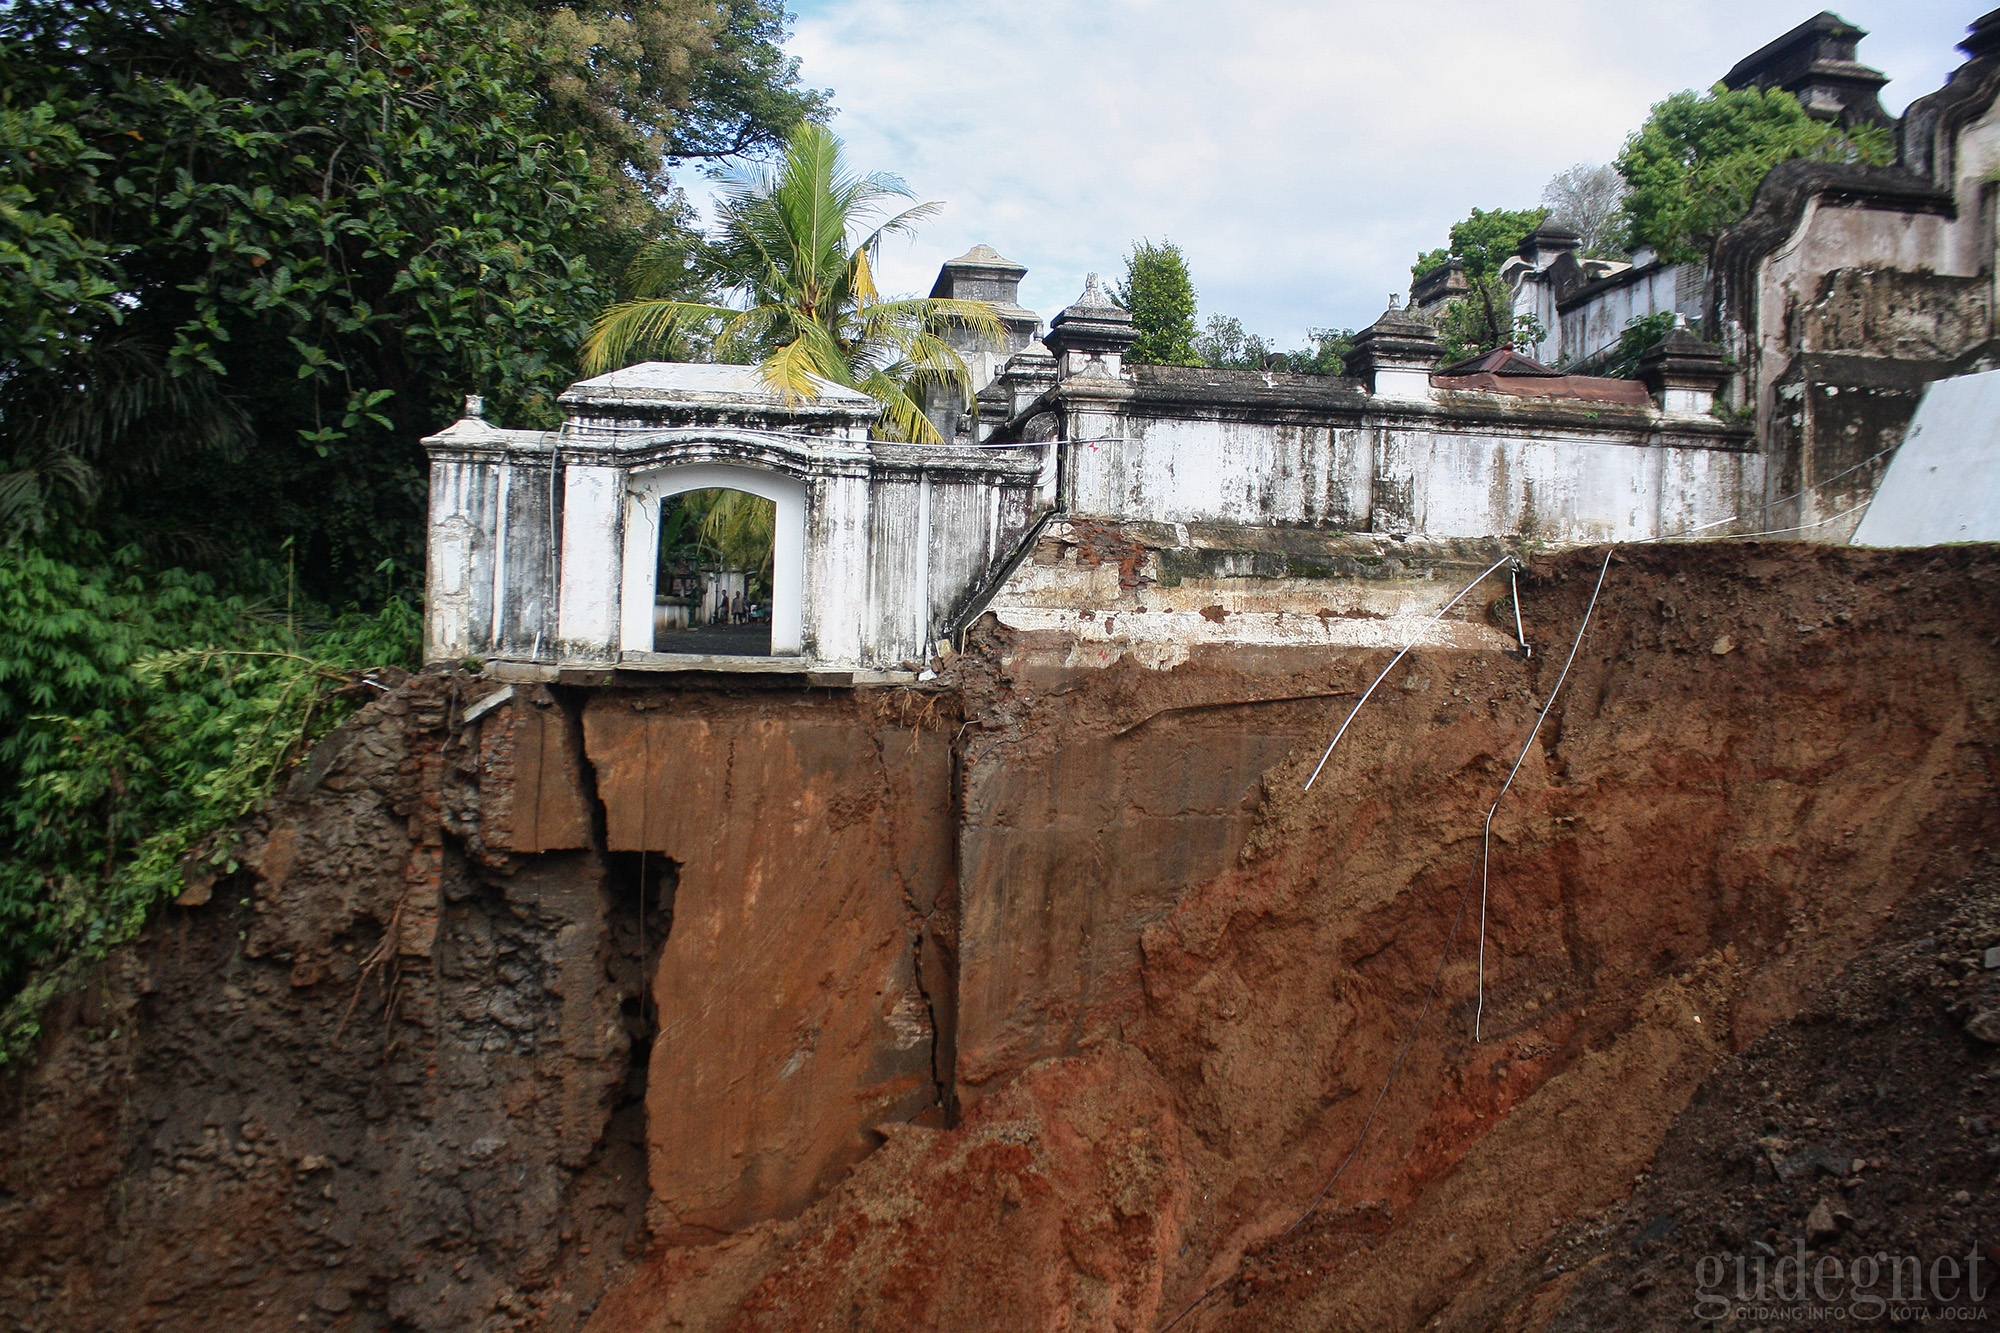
(1300, 153)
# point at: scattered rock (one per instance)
(1992, 959)
(1820, 1225)
(1721, 646)
(1808, 1160)
(1659, 1228)
(1984, 1025)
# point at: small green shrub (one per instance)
(1641, 334)
(141, 716)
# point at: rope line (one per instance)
(1803, 527)
(1769, 505)
(1435, 617)
(1514, 596)
(1486, 838)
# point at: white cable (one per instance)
(1486, 849)
(1514, 595)
(1773, 504)
(1803, 527)
(1438, 615)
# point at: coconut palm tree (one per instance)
(806, 305)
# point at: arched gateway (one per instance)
(545, 544)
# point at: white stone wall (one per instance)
(1554, 475)
(490, 563)
(876, 543)
(1596, 325)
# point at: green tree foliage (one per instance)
(250, 252)
(796, 249)
(1483, 241)
(254, 249)
(720, 529)
(660, 81)
(1693, 168)
(141, 715)
(1160, 295)
(744, 98)
(1483, 318)
(1159, 292)
(1325, 353)
(1225, 344)
(1640, 334)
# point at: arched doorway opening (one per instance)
(713, 589)
(663, 543)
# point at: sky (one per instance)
(1299, 153)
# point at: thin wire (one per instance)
(1514, 596)
(1803, 527)
(1769, 505)
(1486, 839)
(1437, 616)
(1666, 536)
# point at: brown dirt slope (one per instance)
(1865, 1131)
(1760, 752)
(1165, 984)
(377, 1081)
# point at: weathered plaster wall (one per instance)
(877, 543)
(490, 566)
(1155, 595)
(1195, 469)
(1854, 315)
(1591, 322)
(1458, 465)
(1848, 288)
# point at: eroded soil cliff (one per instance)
(1045, 997)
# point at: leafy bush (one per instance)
(1693, 168)
(1160, 295)
(1226, 344)
(1326, 352)
(1641, 332)
(140, 717)
(1484, 317)
(1483, 240)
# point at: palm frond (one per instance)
(741, 528)
(671, 266)
(902, 416)
(903, 224)
(804, 298)
(795, 370)
(935, 314)
(28, 492)
(631, 327)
